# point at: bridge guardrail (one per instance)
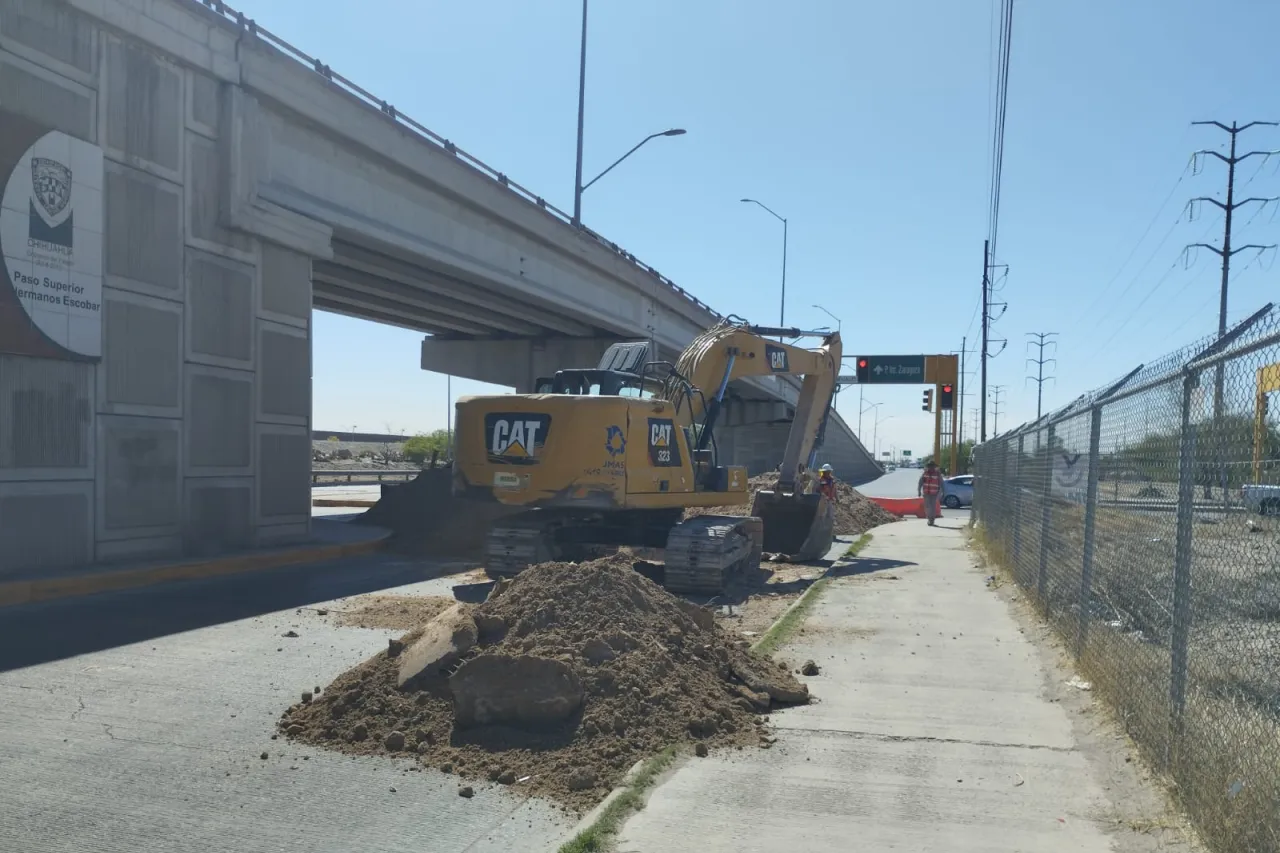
(1141, 521)
(248, 26)
(363, 476)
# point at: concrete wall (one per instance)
(192, 435)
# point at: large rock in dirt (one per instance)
(448, 636)
(762, 677)
(522, 691)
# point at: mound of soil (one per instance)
(855, 513)
(426, 520)
(647, 670)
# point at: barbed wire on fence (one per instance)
(1143, 519)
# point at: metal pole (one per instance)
(782, 309)
(582, 103)
(1046, 518)
(448, 413)
(960, 394)
(1180, 630)
(1090, 523)
(860, 387)
(986, 331)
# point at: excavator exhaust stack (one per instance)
(798, 525)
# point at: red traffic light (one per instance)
(862, 362)
(946, 399)
(946, 389)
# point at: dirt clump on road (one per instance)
(573, 673)
(392, 612)
(855, 513)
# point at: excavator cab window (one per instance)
(597, 383)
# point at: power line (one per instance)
(995, 178)
(1042, 340)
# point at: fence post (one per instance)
(1090, 520)
(1046, 517)
(1181, 628)
(1017, 508)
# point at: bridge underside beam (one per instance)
(514, 362)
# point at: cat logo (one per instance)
(777, 358)
(664, 452)
(515, 438)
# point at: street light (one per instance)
(782, 311)
(875, 434)
(839, 325)
(862, 408)
(578, 186)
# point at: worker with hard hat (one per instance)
(827, 482)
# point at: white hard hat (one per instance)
(826, 467)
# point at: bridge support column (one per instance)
(171, 416)
(514, 362)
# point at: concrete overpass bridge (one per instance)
(241, 185)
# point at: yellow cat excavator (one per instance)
(614, 456)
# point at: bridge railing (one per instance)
(1143, 521)
(389, 112)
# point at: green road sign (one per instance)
(906, 453)
(891, 369)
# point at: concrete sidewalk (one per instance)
(934, 729)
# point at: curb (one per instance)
(589, 819)
(51, 589)
(342, 502)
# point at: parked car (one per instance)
(957, 491)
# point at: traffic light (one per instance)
(928, 400)
(947, 398)
(864, 370)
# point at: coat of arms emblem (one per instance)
(51, 185)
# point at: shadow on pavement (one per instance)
(47, 631)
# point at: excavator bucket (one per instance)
(798, 525)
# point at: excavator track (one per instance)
(703, 553)
(517, 542)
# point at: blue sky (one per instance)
(867, 125)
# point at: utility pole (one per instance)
(1042, 341)
(986, 328)
(1225, 252)
(960, 394)
(996, 391)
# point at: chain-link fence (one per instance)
(1144, 521)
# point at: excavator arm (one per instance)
(736, 351)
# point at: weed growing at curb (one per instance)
(787, 624)
(594, 838)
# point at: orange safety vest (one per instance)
(932, 482)
(827, 487)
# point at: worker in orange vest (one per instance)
(930, 488)
(827, 482)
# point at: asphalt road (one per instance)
(133, 722)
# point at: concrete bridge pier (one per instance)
(177, 419)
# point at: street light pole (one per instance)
(782, 310)
(861, 409)
(839, 325)
(582, 105)
(675, 131)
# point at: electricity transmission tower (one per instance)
(996, 391)
(1228, 208)
(1041, 341)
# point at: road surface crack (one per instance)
(888, 738)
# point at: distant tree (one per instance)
(419, 448)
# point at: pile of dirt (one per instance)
(426, 520)
(855, 513)
(566, 676)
